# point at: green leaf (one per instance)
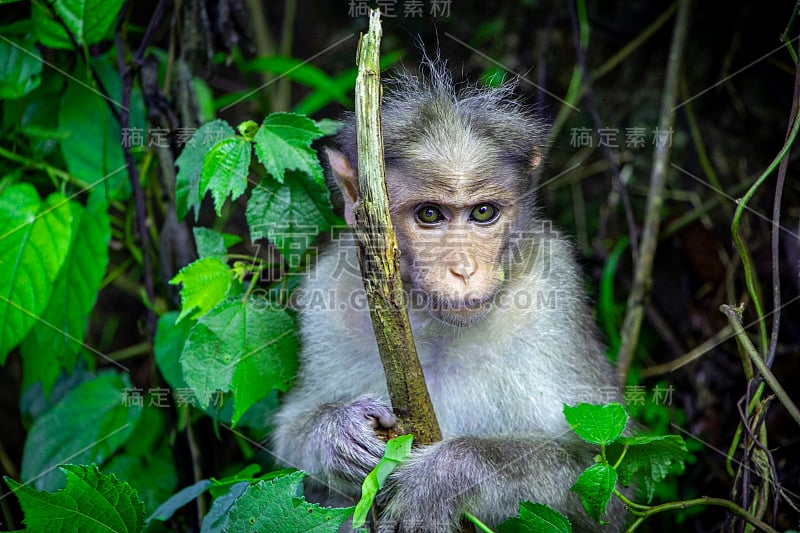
(190, 165)
(88, 21)
(211, 243)
(178, 500)
(289, 215)
(302, 72)
(205, 284)
(247, 129)
(536, 518)
(649, 459)
(595, 486)
(245, 347)
(92, 146)
(345, 82)
(87, 426)
(168, 344)
(21, 68)
(221, 486)
(217, 516)
(284, 143)
(146, 459)
(205, 99)
(90, 502)
(597, 424)
(397, 450)
(34, 240)
(153, 476)
(329, 126)
(56, 341)
(278, 505)
(225, 169)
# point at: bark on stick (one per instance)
(378, 255)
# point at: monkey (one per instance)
(499, 316)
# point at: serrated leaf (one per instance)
(168, 345)
(536, 518)
(34, 240)
(87, 426)
(283, 142)
(205, 284)
(397, 450)
(209, 242)
(278, 505)
(217, 516)
(90, 502)
(178, 500)
(595, 486)
(649, 459)
(245, 347)
(21, 68)
(597, 424)
(225, 169)
(289, 215)
(88, 21)
(55, 342)
(190, 164)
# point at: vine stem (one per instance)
(703, 500)
(752, 288)
(41, 165)
(735, 319)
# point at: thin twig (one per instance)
(690, 356)
(644, 267)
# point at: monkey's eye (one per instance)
(484, 213)
(429, 214)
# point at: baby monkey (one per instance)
(498, 312)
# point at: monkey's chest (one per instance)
(481, 397)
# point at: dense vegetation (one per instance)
(161, 197)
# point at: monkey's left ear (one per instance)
(346, 179)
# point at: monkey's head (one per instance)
(459, 173)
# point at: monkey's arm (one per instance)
(487, 476)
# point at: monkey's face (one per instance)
(452, 245)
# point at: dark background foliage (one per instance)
(736, 89)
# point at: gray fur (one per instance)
(497, 386)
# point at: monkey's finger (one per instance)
(377, 414)
(382, 420)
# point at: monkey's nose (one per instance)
(464, 270)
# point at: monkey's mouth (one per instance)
(460, 311)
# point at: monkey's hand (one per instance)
(429, 492)
(346, 432)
